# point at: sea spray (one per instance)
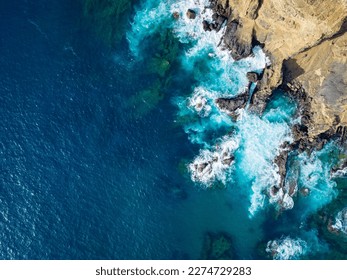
(340, 224)
(261, 141)
(213, 165)
(286, 248)
(306, 244)
(314, 176)
(200, 117)
(215, 74)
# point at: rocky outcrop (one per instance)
(306, 39)
(217, 246)
(231, 105)
(191, 14)
(253, 77)
(322, 73)
(239, 42)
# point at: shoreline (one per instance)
(285, 73)
(287, 70)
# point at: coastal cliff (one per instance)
(306, 42)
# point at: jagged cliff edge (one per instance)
(306, 41)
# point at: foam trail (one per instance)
(149, 18)
(286, 248)
(261, 141)
(340, 224)
(339, 173)
(216, 75)
(314, 176)
(211, 165)
(203, 115)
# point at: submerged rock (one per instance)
(217, 247)
(305, 191)
(176, 15)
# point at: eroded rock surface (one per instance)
(306, 38)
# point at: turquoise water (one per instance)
(253, 140)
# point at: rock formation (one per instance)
(231, 105)
(306, 42)
(191, 14)
(304, 38)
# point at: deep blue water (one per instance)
(80, 178)
(94, 168)
(74, 169)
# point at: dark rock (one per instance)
(213, 26)
(176, 15)
(252, 77)
(305, 191)
(299, 131)
(341, 133)
(232, 104)
(206, 25)
(215, 16)
(220, 21)
(239, 49)
(217, 246)
(191, 14)
(228, 160)
(202, 166)
(281, 162)
(219, 9)
(258, 102)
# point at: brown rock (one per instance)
(176, 15)
(310, 38)
(252, 77)
(238, 40)
(191, 14)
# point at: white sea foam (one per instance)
(261, 141)
(218, 75)
(211, 165)
(283, 197)
(341, 221)
(226, 75)
(286, 248)
(202, 101)
(147, 20)
(315, 176)
(339, 173)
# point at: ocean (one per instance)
(104, 118)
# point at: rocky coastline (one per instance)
(307, 47)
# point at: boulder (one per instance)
(206, 25)
(191, 14)
(230, 105)
(252, 77)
